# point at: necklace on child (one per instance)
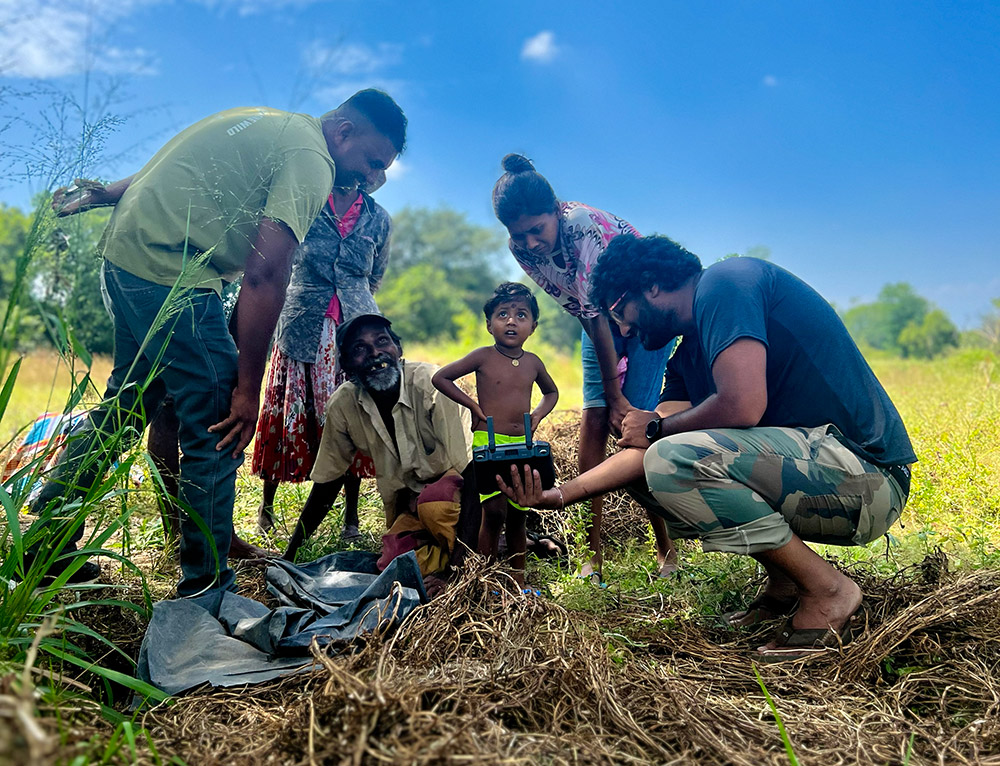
(513, 359)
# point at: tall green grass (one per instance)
(39, 631)
(951, 407)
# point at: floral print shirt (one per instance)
(584, 233)
(328, 263)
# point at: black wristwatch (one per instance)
(653, 429)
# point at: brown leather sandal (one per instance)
(798, 643)
(763, 608)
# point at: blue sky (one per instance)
(858, 141)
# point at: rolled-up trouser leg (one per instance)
(747, 490)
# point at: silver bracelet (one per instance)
(562, 499)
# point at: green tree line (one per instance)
(902, 323)
(443, 268)
(63, 281)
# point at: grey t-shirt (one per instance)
(815, 372)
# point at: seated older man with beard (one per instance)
(419, 440)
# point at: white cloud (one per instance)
(332, 96)
(44, 39)
(770, 81)
(542, 48)
(397, 170)
(350, 59)
(343, 69)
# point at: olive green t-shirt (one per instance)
(196, 206)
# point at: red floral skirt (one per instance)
(293, 413)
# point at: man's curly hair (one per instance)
(632, 264)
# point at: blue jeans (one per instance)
(194, 359)
(643, 378)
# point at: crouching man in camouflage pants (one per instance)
(772, 430)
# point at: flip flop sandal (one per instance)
(668, 571)
(796, 644)
(594, 578)
(774, 606)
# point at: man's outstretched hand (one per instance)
(83, 195)
(528, 492)
(239, 427)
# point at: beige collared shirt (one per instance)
(432, 431)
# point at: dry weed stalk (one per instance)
(484, 675)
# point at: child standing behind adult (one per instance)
(505, 377)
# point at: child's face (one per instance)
(511, 323)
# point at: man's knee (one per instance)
(689, 481)
(761, 534)
(670, 463)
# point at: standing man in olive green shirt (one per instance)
(234, 193)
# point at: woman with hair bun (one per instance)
(557, 244)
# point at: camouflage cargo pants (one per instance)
(747, 490)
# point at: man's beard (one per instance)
(655, 329)
(375, 376)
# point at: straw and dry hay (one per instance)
(485, 676)
(623, 519)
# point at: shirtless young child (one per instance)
(505, 375)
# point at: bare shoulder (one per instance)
(469, 363)
(479, 356)
(535, 360)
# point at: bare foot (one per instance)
(763, 608)
(590, 568)
(241, 549)
(828, 609)
(265, 517)
(778, 598)
(668, 562)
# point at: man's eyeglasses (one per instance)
(615, 309)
